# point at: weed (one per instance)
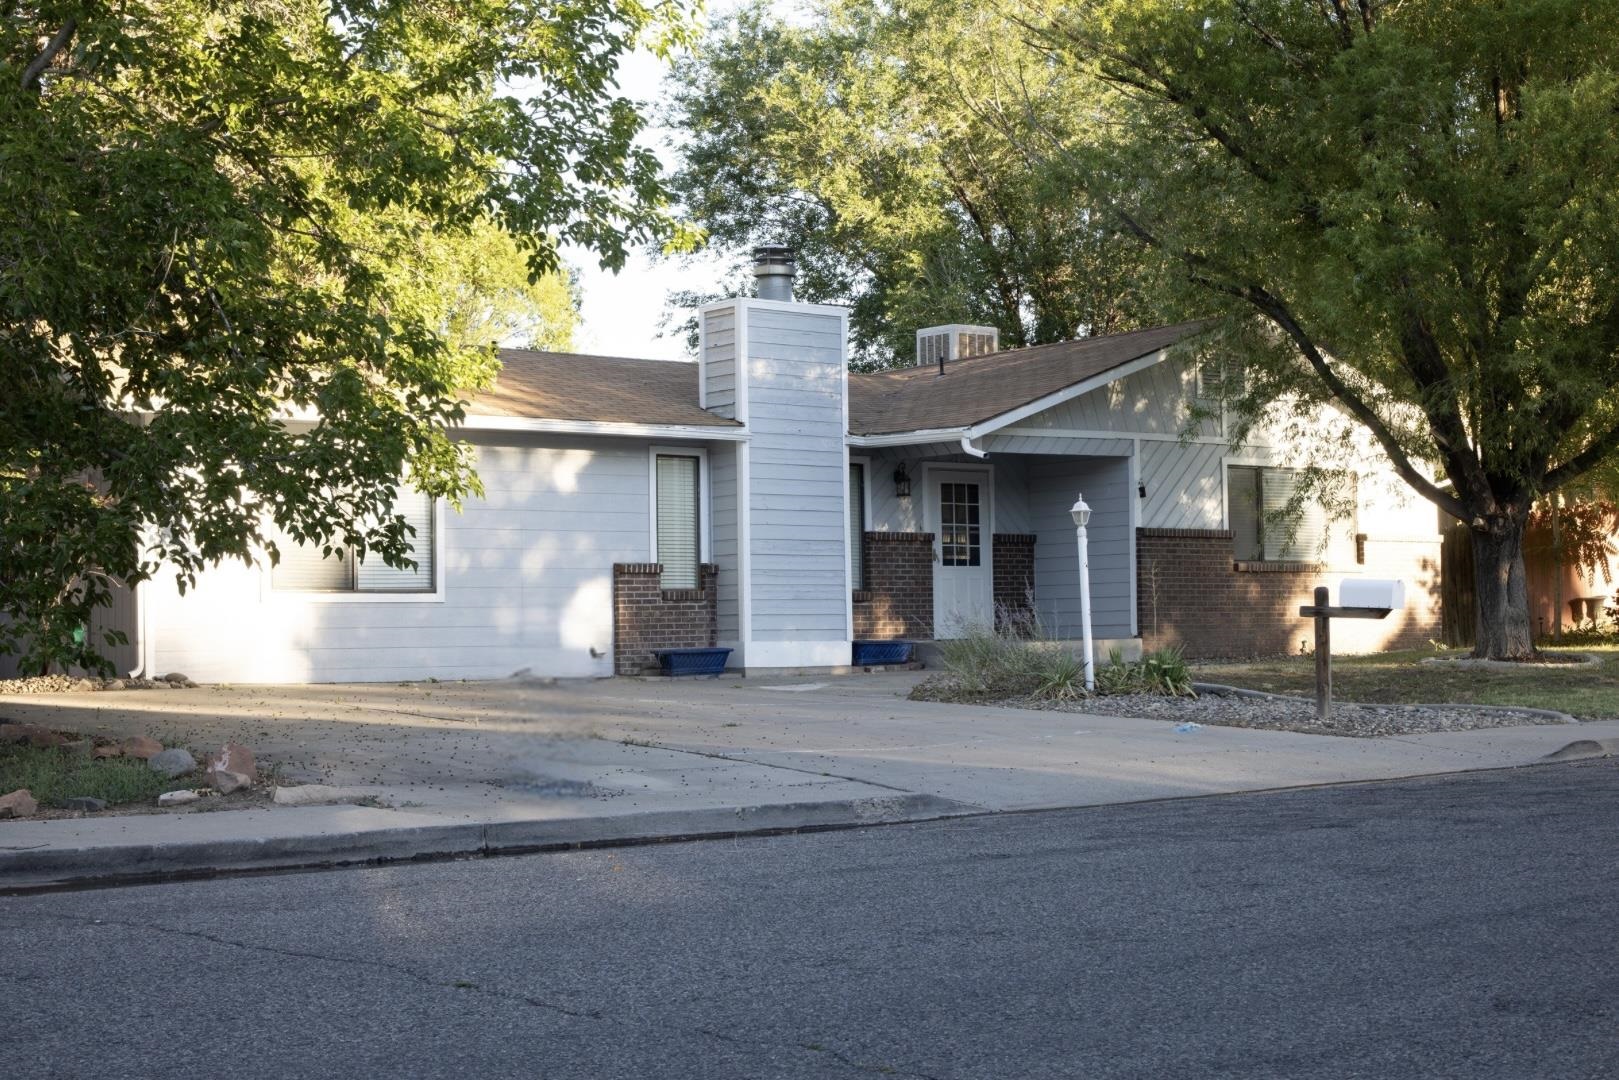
(53, 775)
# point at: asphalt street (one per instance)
(1454, 927)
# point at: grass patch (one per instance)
(1402, 678)
(52, 775)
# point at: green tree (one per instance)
(219, 227)
(1414, 205)
(865, 139)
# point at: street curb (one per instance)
(56, 868)
(1584, 749)
(1522, 710)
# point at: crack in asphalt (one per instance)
(466, 985)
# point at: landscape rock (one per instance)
(232, 768)
(108, 750)
(173, 762)
(32, 734)
(112, 684)
(175, 677)
(19, 803)
(177, 798)
(140, 746)
(87, 803)
(42, 738)
(81, 685)
(317, 795)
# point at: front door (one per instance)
(963, 590)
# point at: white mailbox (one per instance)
(1371, 593)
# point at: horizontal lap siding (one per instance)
(797, 530)
(719, 361)
(1105, 484)
(528, 584)
(722, 473)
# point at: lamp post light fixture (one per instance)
(1081, 513)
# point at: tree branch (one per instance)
(37, 66)
(1583, 462)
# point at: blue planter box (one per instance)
(692, 661)
(881, 652)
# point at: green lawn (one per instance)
(1402, 677)
(51, 775)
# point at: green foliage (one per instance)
(219, 217)
(866, 137)
(1163, 671)
(1409, 207)
(51, 775)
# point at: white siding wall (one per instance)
(1105, 483)
(527, 584)
(797, 528)
(719, 361)
(722, 479)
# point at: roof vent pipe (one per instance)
(774, 267)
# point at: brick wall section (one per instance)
(647, 616)
(1192, 592)
(897, 601)
(1014, 579)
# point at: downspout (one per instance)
(967, 445)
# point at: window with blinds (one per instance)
(303, 568)
(679, 522)
(857, 525)
(1262, 528)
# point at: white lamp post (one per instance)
(1082, 516)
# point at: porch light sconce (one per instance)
(902, 482)
(1141, 491)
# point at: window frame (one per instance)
(270, 594)
(1321, 558)
(704, 494)
(865, 518)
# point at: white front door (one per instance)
(959, 516)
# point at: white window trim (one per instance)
(865, 506)
(269, 594)
(704, 518)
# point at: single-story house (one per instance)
(768, 499)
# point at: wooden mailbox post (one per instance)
(1324, 613)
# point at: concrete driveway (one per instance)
(616, 739)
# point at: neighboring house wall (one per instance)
(527, 584)
(798, 480)
(648, 617)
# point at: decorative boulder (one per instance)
(173, 762)
(19, 803)
(141, 747)
(173, 677)
(232, 768)
(109, 750)
(177, 798)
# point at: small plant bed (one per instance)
(1271, 714)
(46, 773)
(72, 684)
(997, 668)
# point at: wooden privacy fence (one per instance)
(1458, 599)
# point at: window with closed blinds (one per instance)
(857, 525)
(679, 523)
(303, 567)
(1262, 528)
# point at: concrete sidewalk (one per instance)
(478, 768)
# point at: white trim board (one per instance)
(726, 433)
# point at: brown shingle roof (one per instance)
(607, 389)
(983, 387)
(615, 389)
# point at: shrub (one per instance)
(1016, 660)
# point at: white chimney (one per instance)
(774, 267)
(956, 341)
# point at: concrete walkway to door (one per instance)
(477, 767)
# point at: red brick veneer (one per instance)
(1014, 579)
(647, 616)
(897, 601)
(1191, 591)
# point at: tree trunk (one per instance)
(1503, 593)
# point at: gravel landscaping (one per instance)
(1277, 714)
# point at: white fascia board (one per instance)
(908, 438)
(1079, 389)
(601, 427)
